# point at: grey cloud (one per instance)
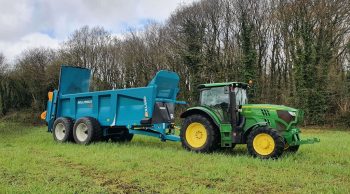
(21, 20)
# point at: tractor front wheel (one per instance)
(292, 149)
(198, 134)
(265, 143)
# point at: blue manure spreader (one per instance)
(76, 114)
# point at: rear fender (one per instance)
(202, 111)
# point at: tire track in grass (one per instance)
(9, 178)
(103, 179)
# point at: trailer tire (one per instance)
(62, 130)
(87, 130)
(198, 134)
(124, 136)
(265, 143)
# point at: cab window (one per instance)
(214, 96)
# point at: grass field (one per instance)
(31, 162)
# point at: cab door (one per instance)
(218, 100)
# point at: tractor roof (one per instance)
(210, 85)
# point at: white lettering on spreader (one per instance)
(145, 104)
(85, 102)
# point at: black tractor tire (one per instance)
(292, 149)
(212, 139)
(87, 130)
(278, 143)
(124, 136)
(62, 130)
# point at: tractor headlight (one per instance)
(293, 114)
(286, 116)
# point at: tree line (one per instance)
(296, 52)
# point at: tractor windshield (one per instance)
(215, 96)
(218, 99)
(218, 96)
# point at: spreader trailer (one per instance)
(222, 119)
(74, 113)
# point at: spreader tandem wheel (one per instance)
(62, 129)
(87, 130)
(123, 136)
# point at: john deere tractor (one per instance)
(224, 118)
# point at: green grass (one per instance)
(31, 162)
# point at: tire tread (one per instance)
(68, 123)
(213, 135)
(94, 126)
(279, 143)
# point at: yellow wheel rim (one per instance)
(263, 144)
(196, 135)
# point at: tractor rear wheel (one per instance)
(87, 130)
(265, 143)
(62, 129)
(198, 134)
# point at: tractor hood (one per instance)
(286, 113)
(269, 106)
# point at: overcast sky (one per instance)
(35, 23)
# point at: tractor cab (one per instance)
(214, 94)
(224, 98)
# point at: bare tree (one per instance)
(294, 54)
(2, 63)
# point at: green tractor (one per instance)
(224, 118)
